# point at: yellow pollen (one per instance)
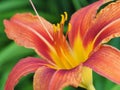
(66, 16)
(58, 26)
(62, 19)
(54, 28)
(69, 28)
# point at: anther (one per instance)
(66, 16)
(62, 19)
(54, 28)
(69, 27)
(58, 26)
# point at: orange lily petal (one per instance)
(106, 16)
(27, 30)
(22, 68)
(82, 20)
(105, 0)
(42, 78)
(106, 62)
(49, 79)
(110, 31)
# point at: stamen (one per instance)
(58, 26)
(66, 16)
(41, 20)
(62, 19)
(69, 28)
(54, 27)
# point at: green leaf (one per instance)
(116, 87)
(13, 51)
(12, 4)
(3, 77)
(69, 88)
(98, 81)
(76, 4)
(83, 3)
(109, 84)
(73, 88)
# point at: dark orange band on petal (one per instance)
(22, 68)
(106, 62)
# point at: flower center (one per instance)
(63, 55)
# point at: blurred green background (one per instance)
(10, 53)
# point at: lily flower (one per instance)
(67, 62)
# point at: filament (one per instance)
(41, 20)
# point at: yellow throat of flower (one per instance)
(63, 55)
